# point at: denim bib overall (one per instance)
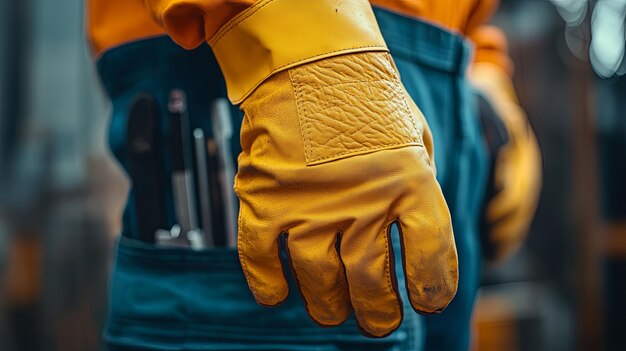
(179, 299)
(432, 63)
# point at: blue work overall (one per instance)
(180, 299)
(432, 63)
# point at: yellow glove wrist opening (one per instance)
(275, 35)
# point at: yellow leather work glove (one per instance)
(517, 171)
(334, 152)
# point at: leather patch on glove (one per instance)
(351, 107)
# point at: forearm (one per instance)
(111, 23)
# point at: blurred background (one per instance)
(61, 194)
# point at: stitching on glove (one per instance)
(301, 112)
(236, 21)
(326, 53)
(242, 259)
(406, 103)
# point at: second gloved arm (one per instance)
(516, 168)
(334, 152)
(516, 173)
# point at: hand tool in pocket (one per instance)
(223, 132)
(143, 134)
(204, 190)
(182, 174)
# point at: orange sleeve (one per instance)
(491, 43)
(111, 23)
(189, 22)
(192, 22)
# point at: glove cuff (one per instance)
(274, 35)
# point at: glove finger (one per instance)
(319, 275)
(367, 256)
(428, 250)
(259, 255)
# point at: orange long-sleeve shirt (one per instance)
(191, 22)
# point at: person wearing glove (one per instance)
(432, 62)
(334, 153)
(326, 119)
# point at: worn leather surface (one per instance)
(366, 168)
(327, 96)
(517, 172)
